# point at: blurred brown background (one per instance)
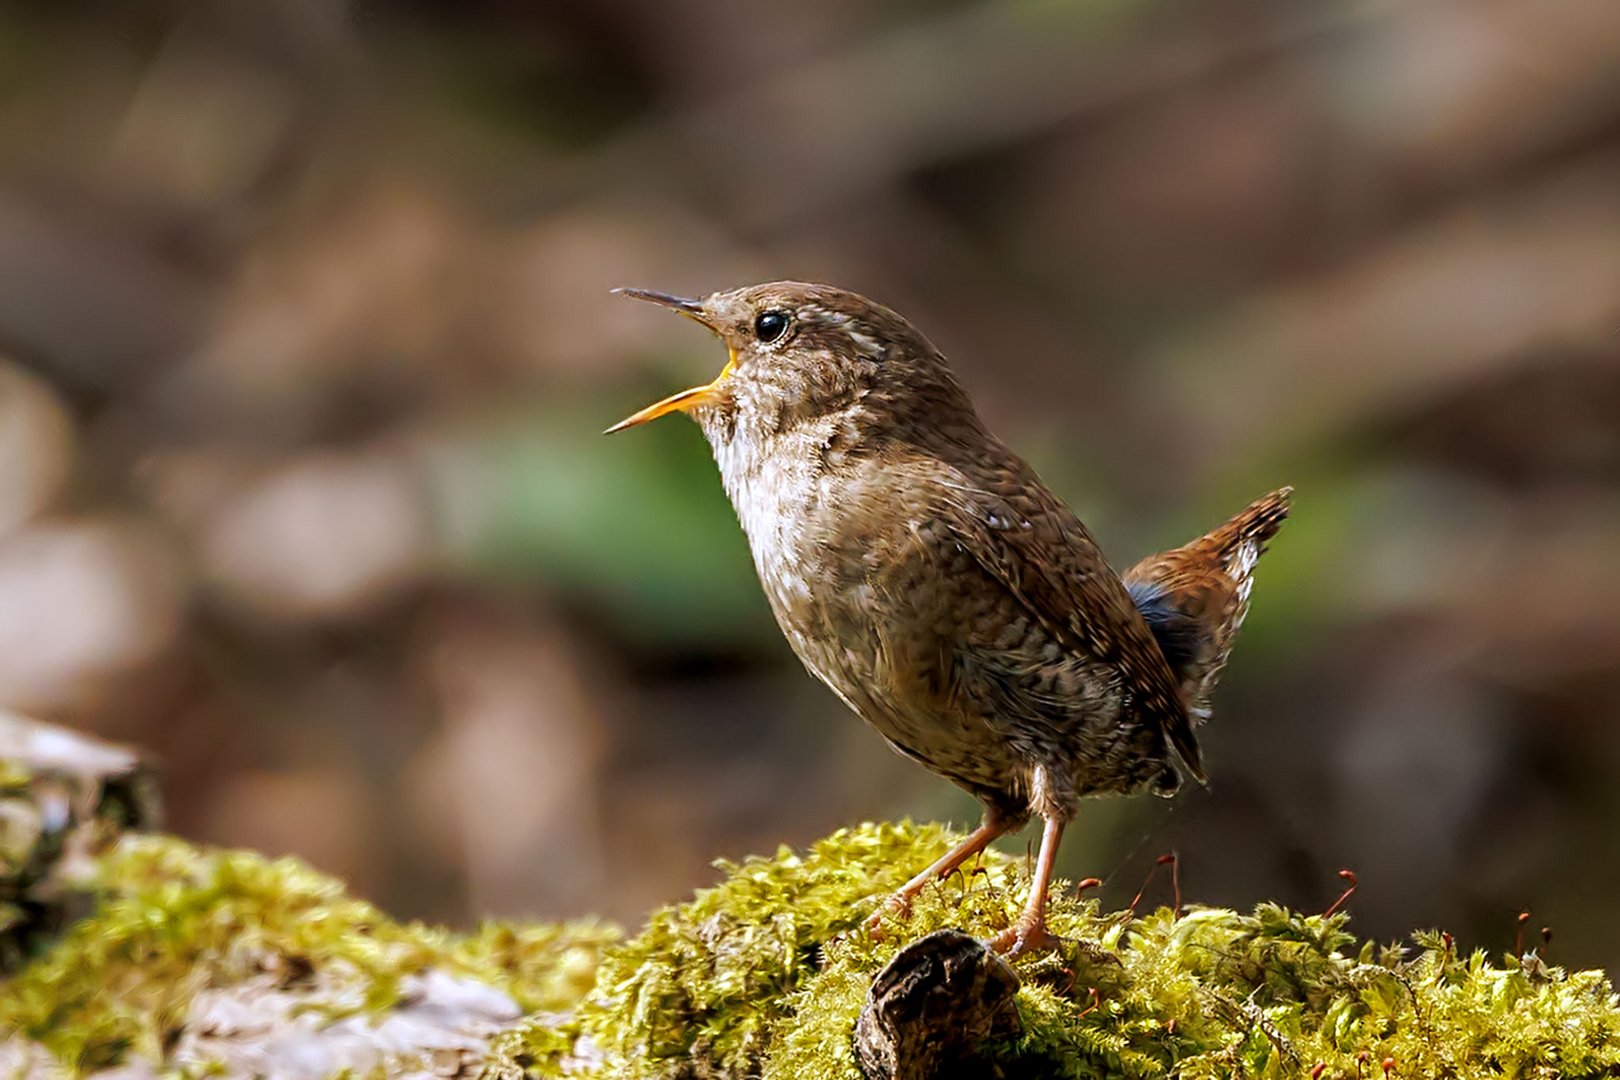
(307, 335)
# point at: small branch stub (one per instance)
(931, 1009)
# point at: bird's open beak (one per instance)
(684, 400)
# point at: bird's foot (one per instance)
(1026, 936)
(896, 906)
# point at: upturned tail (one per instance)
(1194, 597)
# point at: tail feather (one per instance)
(1194, 597)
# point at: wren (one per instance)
(923, 571)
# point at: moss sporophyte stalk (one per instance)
(765, 973)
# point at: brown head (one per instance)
(800, 354)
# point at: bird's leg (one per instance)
(979, 839)
(1029, 933)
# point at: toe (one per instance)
(1022, 938)
(897, 906)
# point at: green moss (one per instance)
(1215, 993)
(536, 1048)
(170, 920)
(762, 976)
(708, 981)
(544, 968)
(765, 974)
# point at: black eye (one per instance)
(770, 325)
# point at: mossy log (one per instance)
(186, 961)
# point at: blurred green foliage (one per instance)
(637, 526)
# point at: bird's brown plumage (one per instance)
(924, 572)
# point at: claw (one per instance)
(897, 906)
(1022, 938)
